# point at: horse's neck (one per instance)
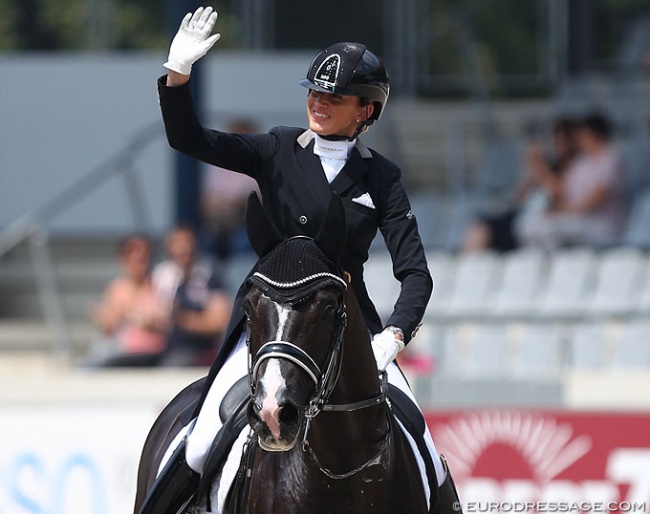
(345, 440)
(358, 379)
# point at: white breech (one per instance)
(208, 422)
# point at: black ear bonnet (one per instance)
(295, 270)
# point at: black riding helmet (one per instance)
(350, 69)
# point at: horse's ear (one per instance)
(331, 236)
(262, 233)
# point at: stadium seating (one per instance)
(619, 275)
(569, 282)
(474, 285)
(539, 353)
(588, 345)
(633, 348)
(518, 293)
(531, 315)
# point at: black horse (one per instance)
(322, 435)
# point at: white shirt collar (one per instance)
(305, 138)
(338, 150)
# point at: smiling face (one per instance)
(335, 115)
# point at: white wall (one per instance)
(70, 440)
(71, 458)
(62, 116)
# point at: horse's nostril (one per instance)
(289, 416)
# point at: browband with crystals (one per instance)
(305, 280)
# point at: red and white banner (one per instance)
(544, 461)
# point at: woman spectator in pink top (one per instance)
(590, 208)
(131, 317)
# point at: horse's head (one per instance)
(296, 316)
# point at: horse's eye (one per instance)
(330, 308)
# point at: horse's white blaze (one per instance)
(283, 317)
(273, 384)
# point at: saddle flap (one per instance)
(406, 411)
(232, 399)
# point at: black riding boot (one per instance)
(448, 501)
(174, 488)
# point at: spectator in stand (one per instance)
(590, 207)
(223, 203)
(537, 191)
(131, 317)
(191, 288)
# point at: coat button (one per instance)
(303, 220)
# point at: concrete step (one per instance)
(27, 303)
(34, 335)
(46, 380)
(78, 275)
(82, 269)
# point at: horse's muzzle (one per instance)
(277, 429)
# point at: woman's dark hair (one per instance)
(565, 125)
(598, 124)
(127, 244)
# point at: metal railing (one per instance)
(31, 228)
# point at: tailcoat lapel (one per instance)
(312, 169)
(354, 169)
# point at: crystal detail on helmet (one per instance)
(328, 72)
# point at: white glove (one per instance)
(386, 346)
(192, 41)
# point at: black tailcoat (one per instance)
(295, 194)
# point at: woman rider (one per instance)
(297, 171)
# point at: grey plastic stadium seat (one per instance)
(587, 346)
(539, 353)
(569, 283)
(618, 275)
(487, 355)
(637, 232)
(518, 294)
(475, 280)
(633, 349)
(643, 307)
(442, 267)
(453, 349)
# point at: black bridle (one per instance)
(324, 381)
